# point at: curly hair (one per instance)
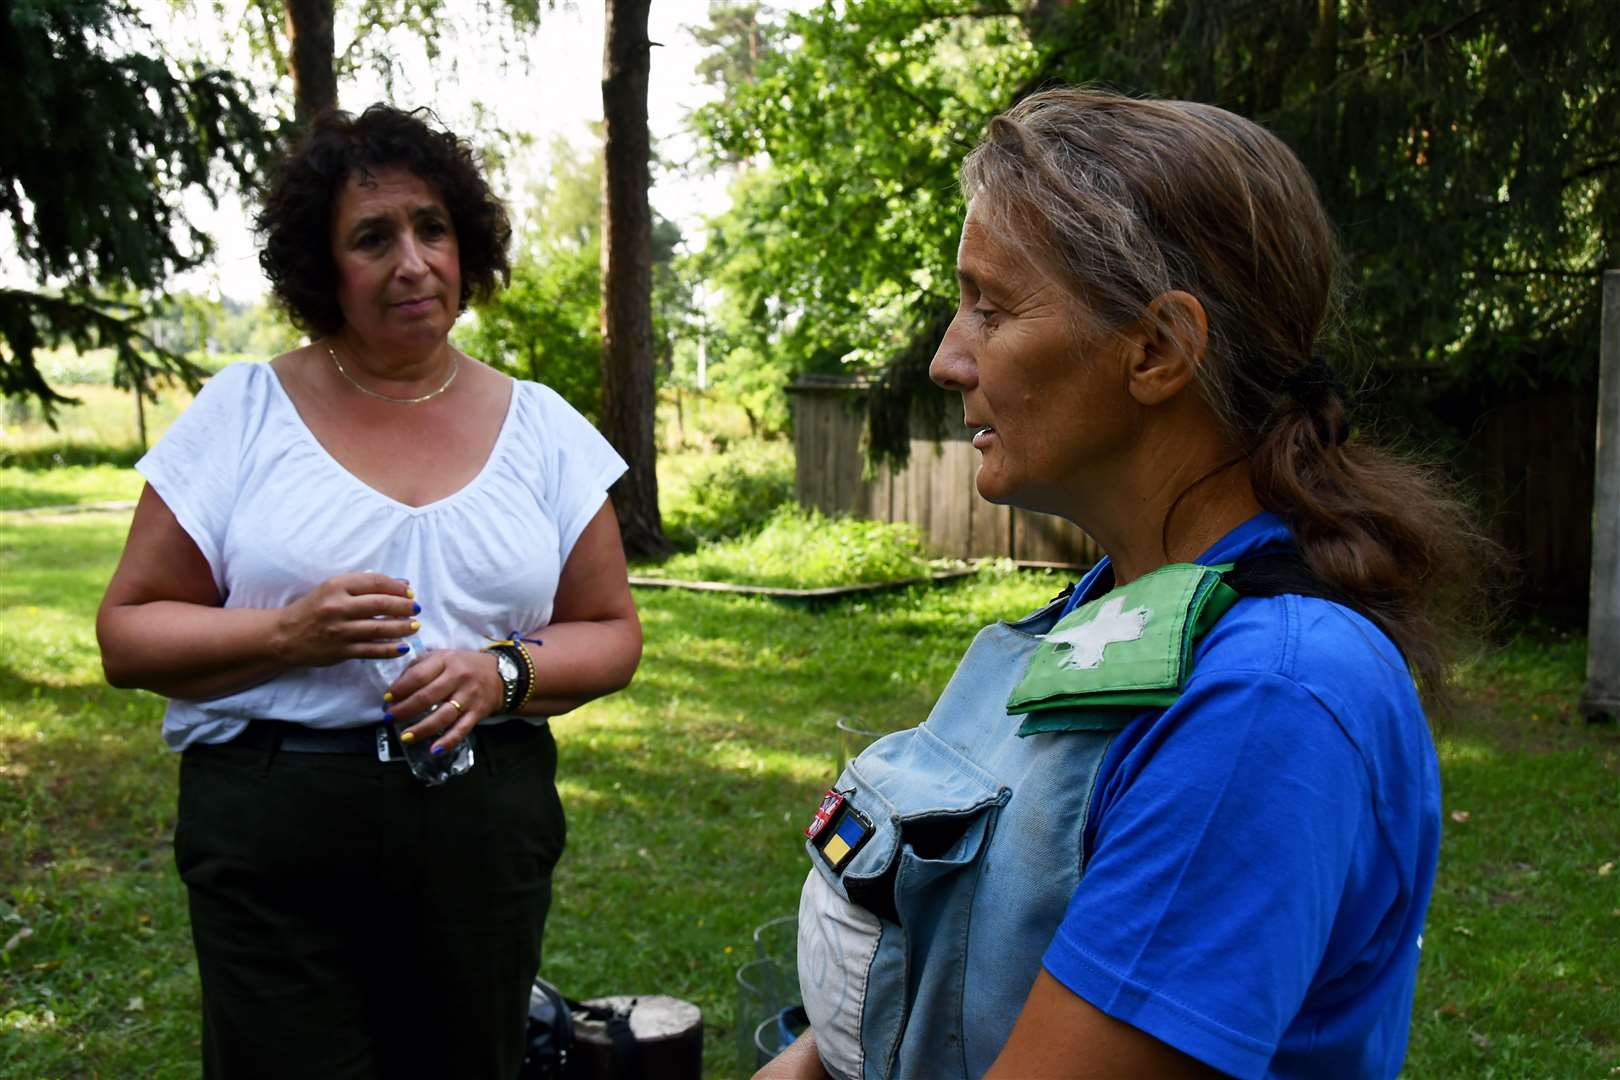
(295, 220)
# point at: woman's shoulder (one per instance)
(1331, 661)
(540, 401)
(241, 377)
(233, 398)
(543, 415)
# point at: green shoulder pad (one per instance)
(1126, 650)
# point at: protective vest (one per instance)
(945, 856)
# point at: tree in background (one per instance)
(96, 148)
(737, 36)
(628, 402)
(1470, 157)
(310, 58)
(299, 37)
(546, 324)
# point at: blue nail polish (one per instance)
(388, 718)
(416, 609)
(403, 649)
(438, 749)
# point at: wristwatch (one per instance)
(511, 679)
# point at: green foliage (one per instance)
(374, 20)
(96, 148)
(101, 429)
(836, 252)
(1478, 205)
(804, 549)
(736, 35)
(546, 324)
(728, 495)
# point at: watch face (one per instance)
(507, 667)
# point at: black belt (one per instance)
(302, 739)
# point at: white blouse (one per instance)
(275, 515)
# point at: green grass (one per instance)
(686, 795)
(67, 485)
(101, 429)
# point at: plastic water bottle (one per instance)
(430, 768)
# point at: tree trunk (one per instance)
(140, 418)
(309, 37)
(628, 399)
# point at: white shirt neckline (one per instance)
(396, 504)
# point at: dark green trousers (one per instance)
(351, 922)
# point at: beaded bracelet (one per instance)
(513, 647)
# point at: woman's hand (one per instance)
(799, 1061)
(444, 695)
(358, 616)
(162, 624)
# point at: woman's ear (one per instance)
(1173, 337)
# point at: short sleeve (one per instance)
(586, 466)
(1221, 858)
(194, 467)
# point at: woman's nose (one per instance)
(952, 367)
(411, 262)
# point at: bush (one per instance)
(728, 496)
(805, 549)
(56, 455)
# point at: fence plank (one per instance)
(953, 509)
(1601, 696)
(935, 491)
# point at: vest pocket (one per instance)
(933, 810)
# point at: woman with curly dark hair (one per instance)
(364, 574)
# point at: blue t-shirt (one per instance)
(1261, 853)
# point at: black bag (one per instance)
(553, 1051)
(550, 1040)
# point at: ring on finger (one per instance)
(457, 704)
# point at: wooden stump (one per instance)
(668, 1033)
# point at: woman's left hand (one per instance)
(463, 683)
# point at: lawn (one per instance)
(686, 795)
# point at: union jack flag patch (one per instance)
(830, 803)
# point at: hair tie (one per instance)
(1315, 386)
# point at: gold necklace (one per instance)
(455, 369)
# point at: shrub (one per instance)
(805, 549)
(729, 495)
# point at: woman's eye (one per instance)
(368, 241)
(986, 316)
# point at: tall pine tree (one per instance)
(97, 146)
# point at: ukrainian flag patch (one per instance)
(838, 830)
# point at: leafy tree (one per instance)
(547, 324)
(736, 36)
(97, 145)
(299, 37)
(1470, 156)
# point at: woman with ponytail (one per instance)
(1183, 821)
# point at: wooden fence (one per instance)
(1528, 457)
(934, 491)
